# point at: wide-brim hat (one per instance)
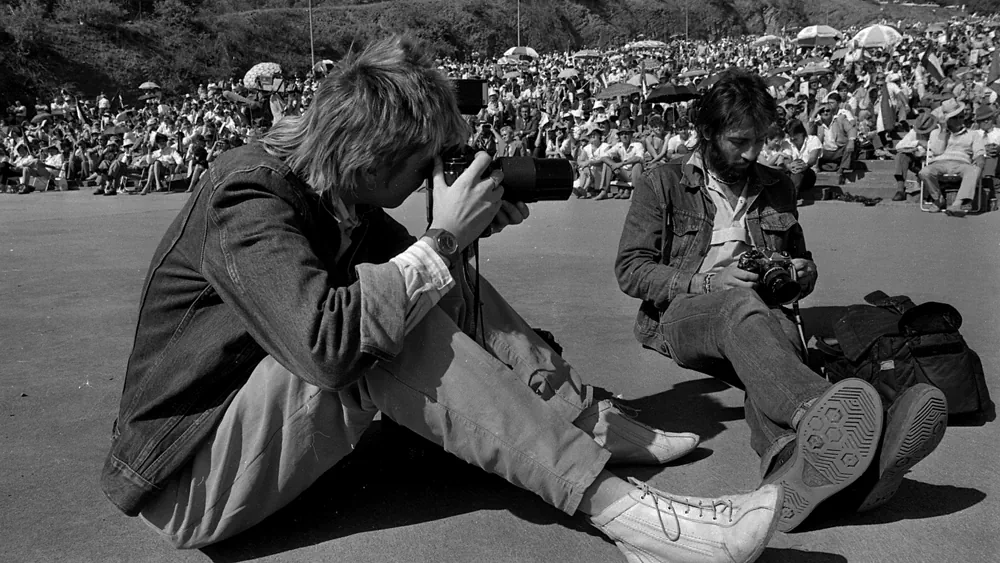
(925, 123)
(984, 112)
(128, 142)
(951, 108)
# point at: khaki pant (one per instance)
(507, 407)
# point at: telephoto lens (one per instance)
(525, 179)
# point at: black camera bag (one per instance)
(894, 344)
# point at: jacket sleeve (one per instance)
(261, 262)
(638, 268)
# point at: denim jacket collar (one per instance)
(693, 176)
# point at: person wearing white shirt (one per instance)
(803, 151)
(911, 151)
(988, 121)
(591, 167)
(162, 161)
(624, 161)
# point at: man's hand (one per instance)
(806, 273)
(797, 166)
(733, 276)
(509, 214)
(469, 204)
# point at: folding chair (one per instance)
(949, 189)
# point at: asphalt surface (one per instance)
(71, 268)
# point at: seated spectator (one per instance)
(988, 121)
(197, 160)
(774, 153)
(107, 155)
(163, 161)
(953, 149)
(839, 138)
(912, 150)
(591, 167)
(624, 161)
(654, 143)
(802, 151)
(678, 143)
(124, 164)
(510, 144)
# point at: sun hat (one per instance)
(925, 123)
(951, 108)
(128, 142)
(984, 112)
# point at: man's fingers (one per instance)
(743, 275)
(437, 176)
(476, 168)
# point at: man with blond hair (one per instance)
(285, 308)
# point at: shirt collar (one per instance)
(345, 215)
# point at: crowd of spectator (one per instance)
(926, 98)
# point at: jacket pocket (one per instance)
(777, 228)
(685, 230)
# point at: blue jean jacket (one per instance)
(668, 232)
(247, 269)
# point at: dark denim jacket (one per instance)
(668, 232)
(248, 268)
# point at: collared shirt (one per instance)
(809, 153)
(729, 226)
(425, 274)
(963, 146)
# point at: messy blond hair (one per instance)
(375, 109)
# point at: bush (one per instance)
(26, 25)
(94, 13)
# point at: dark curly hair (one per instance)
(738, 96)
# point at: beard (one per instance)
(716, 161)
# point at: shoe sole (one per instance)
(910, 437)
(836, 441)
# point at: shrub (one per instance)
(26, 25)
(94, 13)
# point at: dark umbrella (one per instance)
(41, 117)
(670, 93)
(709, 82)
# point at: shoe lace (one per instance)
(716, 506)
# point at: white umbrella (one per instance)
(260, 74)
(646, 44)
(149, 86)
(523, 51)
(766, 40)
(587, 54)
(636, 80)
(877, 36)
(569, 73)
(818, 35)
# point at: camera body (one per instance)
(525, 179)
(776, 275)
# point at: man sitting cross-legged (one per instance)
(911, 151)
(953, 149)
(285, 309)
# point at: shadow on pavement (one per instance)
(687, 407)
(393, 478)
(788, 555)
(914, 501)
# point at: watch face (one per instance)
(447, 243)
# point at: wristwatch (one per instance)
(444, 243)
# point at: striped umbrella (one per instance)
(818, 35)
(877, 36)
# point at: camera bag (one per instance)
(894, 344)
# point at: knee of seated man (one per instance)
(741, 301)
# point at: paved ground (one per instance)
(70, 273)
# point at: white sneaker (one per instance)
(650, 526)
(630, 441)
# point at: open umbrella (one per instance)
(260, 74)
(521, 51)
(710, 81)
(693, 73)
(587, 54)
(877, 36)
(568, 73)
(149, 86)
(670, 93)
(813, 70)
(40, 117)
(323, 66)
(616, 90)
(646, 44)
(123, 116)
(512, 74)
(765, 40)
(636, 80)
(776, 81)
(818, 35)
(149, 96)
(651, 64)
(780, 70)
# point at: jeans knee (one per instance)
(742, 301)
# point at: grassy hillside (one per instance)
(89, 46)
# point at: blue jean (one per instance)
(507, 408)
(734, 331)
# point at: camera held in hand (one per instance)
(776, 275)
(525, 179)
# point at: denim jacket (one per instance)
(668, 232)
(248, 268)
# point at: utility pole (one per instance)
(312, 48)
(518, 23)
